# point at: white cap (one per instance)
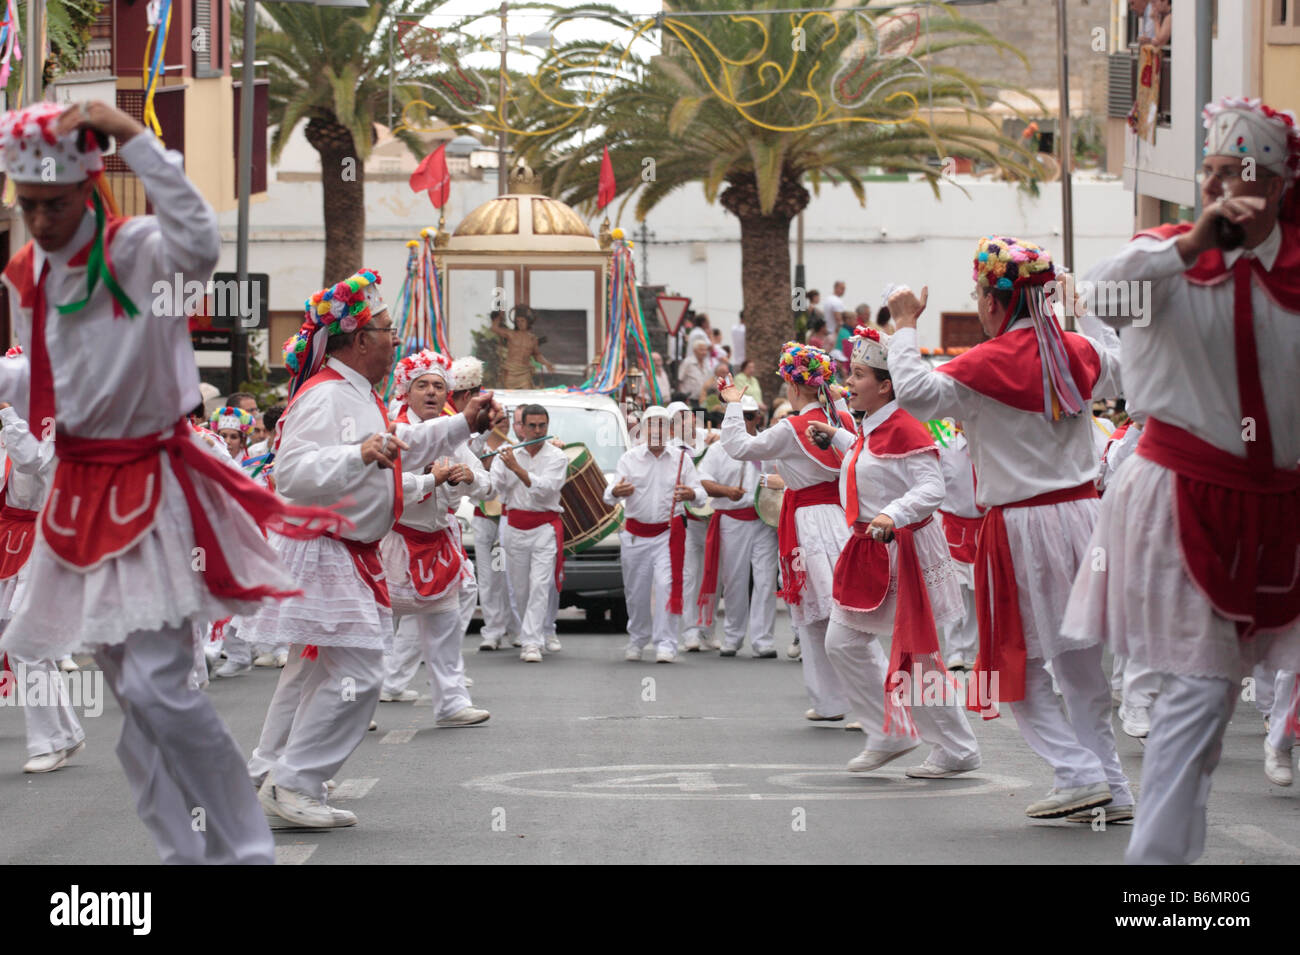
(656, 411)
(747, 403)
(33, 152)
(675, 408)
(466, 374)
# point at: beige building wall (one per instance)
(209, 158)
(1281, 76)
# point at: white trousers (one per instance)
(530, 562)
(1286, 696)
(184, 767)
(647, 583)
(328, 703)
(747, 547)
(493, 583)
(1182, 750)
(438, 638)
(863, 668)
(1265, 680)
(964, 636)
(1141, 685)
(825, 688)
(401, 662)
(1079, 742)
(52, 724)
(692, 575)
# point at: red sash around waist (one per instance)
(644, 529)
(787, 535)
(1238, 527)
(435, 560)
(106, 492)
(530, 520)
(676, 528)
(17, 534)
(708, 598)
(862, 584)
(962, 533)
(997, 599)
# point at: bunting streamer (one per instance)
(418, 315)
(626, 340)
(9, 49)
(160, 15)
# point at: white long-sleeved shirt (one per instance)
(778, 447)
(428, 506)
(1181, 365)
(958, 478)
(319, 459)
(124, 377)
(905, 490)
(33, 462)
(721, 468)
(547, 470)
(1017, 454)
(654, 477)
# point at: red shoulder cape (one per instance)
(19, 269)
(826, 457)
(1282, 282)
(1009, 369)
(900, 436)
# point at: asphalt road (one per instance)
(588, 758)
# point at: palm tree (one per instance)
(330, 67)
(757, 108)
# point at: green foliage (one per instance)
(487, 349)
(67, 28)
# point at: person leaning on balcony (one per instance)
(1161, 14)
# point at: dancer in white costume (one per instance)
(429, 575)
(894, 578)
(144, 532)
(961, 518)
(1200, 529)
(811, 531)
(696, 633)
(1023, 399)
(738, 544)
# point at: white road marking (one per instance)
(1259, 839)
(398, 736)
(293, 855)
(692, 779)
(354, 788)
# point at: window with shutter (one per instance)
(206, 40)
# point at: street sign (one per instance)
(217, 340)
(672, 309)
(232, 305)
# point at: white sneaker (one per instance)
(1277, 765)
(230, 668)
(468, 682)
(793, 651)
(691, 643)
(406, 696)
(68, 665)
(1135, 721)
(1065, 802)
(870, 759)
(553, 644)
(929, 770)
(632, 654)
(373, 726)
(49, 762)
(531, 655)
(466, 716)
(818, 718)
(728, 651)
(665, 655)
(301, 809)
(282, 659)
(489, 643)
(708, 642)
(264, 660)
(1107, 814)
(516, 642)
(854, 725)
(331, 785)
(768, 654)
(956, 661)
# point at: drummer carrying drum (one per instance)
(528, 480)
(653, 481)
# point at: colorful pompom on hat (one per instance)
(231, 419)
(336, 310)
(870, 347)
(806, 365)
(417, 365)
(34, 152)
(1004, 262)
(1246, 128)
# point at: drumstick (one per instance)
(680, 461)
(484, 457)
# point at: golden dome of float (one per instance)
(522, 220)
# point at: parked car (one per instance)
(593, 579)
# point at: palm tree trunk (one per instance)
(765, 284)
(343, 186)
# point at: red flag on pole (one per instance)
(432, 174)
(606, 193)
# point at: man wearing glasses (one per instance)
(1200, 528)
(337, 448)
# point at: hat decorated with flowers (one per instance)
(805, 365)
(230, 419)
(870, 347)
(417, 365)
(336, 310)
(34, 151)
(1004, 262)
